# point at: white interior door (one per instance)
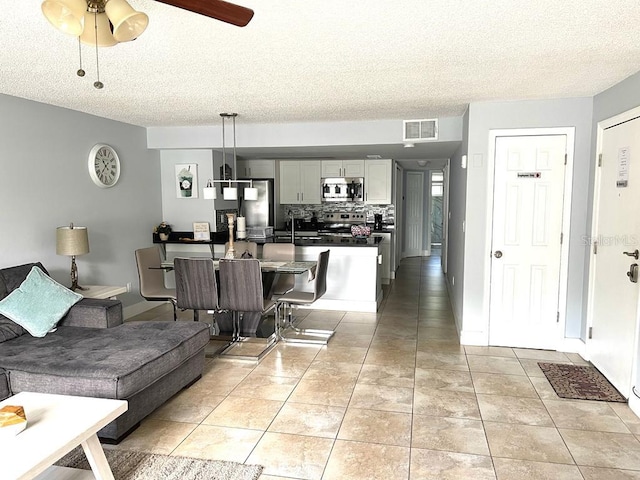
(526, 240)
(614, 296)
(414, 214)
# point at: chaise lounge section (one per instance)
(93, 353)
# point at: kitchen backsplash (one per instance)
(306, 211)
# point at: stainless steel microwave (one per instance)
(342, 189)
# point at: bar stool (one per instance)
(241, 293)
(151, 277)
(197, 288)
(295, 298)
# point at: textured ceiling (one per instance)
(327, 60)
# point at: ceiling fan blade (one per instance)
(218, 9)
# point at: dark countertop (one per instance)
(219, 238)
(333, 240)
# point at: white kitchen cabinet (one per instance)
(377, 181)
(342, 168)
(300, 181)
(256, 168)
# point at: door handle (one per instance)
(633, 273)
(498, 254)
(635, 254)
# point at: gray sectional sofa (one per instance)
(93, 353)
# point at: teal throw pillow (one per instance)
(39, 303)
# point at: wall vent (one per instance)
(420, 130)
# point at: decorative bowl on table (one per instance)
(360, 231)
(12, 421)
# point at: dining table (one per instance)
(270, 269)
(266, 265)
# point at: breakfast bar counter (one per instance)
(354, 280)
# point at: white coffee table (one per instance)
(56, 424)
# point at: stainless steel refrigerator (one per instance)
(259, 213)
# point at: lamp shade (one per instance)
(230, 193)
(72, 241)
(128, 24)
(105, 39)
(209, 193)
(66, 15)
(250, 193)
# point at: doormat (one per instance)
(580, 382)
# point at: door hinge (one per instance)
(590, 332)
(595, 248)
(600, 160)
(565, 158)
(557, 317)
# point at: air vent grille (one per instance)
(417, 130)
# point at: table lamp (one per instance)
(72, 241)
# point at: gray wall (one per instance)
(180, 213)
(45, 183)
(456, 240)
(483, 117)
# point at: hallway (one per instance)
(394, 396)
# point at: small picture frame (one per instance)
(201, 231)
(187, 180)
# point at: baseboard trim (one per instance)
(634, 403)
(573, 345)
(473, 338)
(346, 305)
(138, 308)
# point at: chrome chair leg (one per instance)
(302, 335)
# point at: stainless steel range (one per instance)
(336, 222)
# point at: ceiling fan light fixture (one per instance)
(105, 38)
(128, 24)
(66, 15)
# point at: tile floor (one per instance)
(394, 396)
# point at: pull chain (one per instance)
(80, 71)
(98, 84)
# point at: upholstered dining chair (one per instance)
(196, 287)
(285, 252)
(151, 277)
(241, 247)
(288, 301)
(241, 292)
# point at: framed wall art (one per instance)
(187, 180)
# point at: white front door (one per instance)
(414, 208)
(614, 296)
(526, 240)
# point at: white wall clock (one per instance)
(104, 165)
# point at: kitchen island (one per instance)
(353, 277)
(354, 273)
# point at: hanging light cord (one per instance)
(98, 84)
(80, 71)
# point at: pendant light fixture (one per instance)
(229, 192)
(100, 23)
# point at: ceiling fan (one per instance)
(218, 9)
(104, 23)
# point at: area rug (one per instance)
(580, 382)
(132, 465)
